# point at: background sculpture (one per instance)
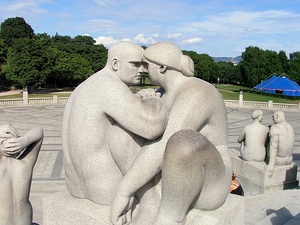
(254, 138)
(18, 156)
(195, 137)
(281, 143)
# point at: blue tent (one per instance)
(279, 85)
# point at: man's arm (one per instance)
(273, 149)
(28, 145)
(241, 138)
(144, 116)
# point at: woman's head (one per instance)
(170, 55)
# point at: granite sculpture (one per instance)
(281, 144)
(143, 154)
(254, 139)
(189, 143)
(18, 156)
(93, 113)
(274, 171)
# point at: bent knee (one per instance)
(188, 141)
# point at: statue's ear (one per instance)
(163, 69)
(115, 64)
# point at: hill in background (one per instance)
(228, 59)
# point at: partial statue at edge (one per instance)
(18, 156)
(178, 132)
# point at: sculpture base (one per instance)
(61, 208)
(255, 181)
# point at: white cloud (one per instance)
(141, 39)
(106, 41)
(174, 36)
(192, 41)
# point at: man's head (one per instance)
(257, 114)
(166, 55)
(278, 117)
(125, 59)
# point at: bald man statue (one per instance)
(97, 107)
(281, 145)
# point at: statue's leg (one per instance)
(190, 163)
(124, 146)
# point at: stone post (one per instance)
(270, 104)
(55, 99)
(241, 99)
(25, 95)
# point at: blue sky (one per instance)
(215, 27)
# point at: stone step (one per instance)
(260, 206)
(294, 221)
(51, 147)
(281, 216)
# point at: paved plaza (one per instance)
(48, 176)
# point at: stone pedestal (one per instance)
(256, 181)
(61, 208)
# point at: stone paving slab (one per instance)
(48, 175)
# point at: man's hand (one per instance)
(121, 210)
(149, 92)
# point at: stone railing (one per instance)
(34, 101)
(230, 103)
(265, 105)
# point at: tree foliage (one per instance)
(15, 28)
(39, 60)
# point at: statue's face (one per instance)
(275, 118)
(153, 71)
(131, 71)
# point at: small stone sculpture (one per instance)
(18, 156)
(192, 153)
(92, 117)
(254, 139)
(281, 142)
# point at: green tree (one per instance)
(56, 66)
(86, 47)
(80, 68)
(284, 61)
(227, 73)
(294, 67)
(25, 63)
(14, 28)
(252, 66)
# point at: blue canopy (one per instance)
(279, 85)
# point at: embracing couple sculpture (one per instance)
(151, 156)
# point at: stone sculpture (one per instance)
(94, 111)
(195, 138)
(18, 156)
(254, 138)
(281, 142)
(117, 143)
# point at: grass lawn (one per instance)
(232, 92)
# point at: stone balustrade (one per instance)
(230, 103)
